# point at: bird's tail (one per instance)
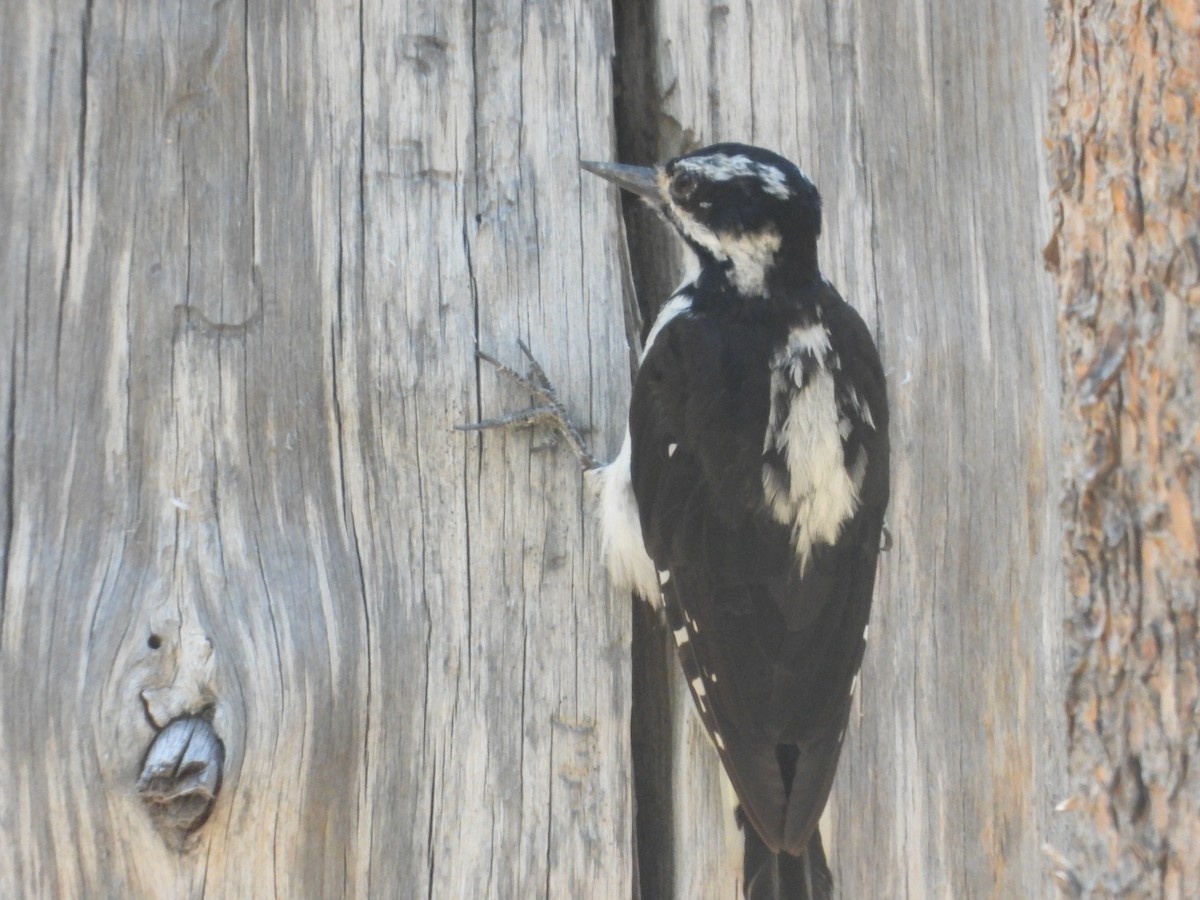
(781, 876)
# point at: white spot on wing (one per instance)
(671, 448)
(698, 687)
(863, 411)
(858, 470)
(664, 576)
(681, 636)
(866, 628)
(717, 740)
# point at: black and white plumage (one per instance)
(749, 494)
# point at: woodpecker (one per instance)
(748, 496)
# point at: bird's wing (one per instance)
(769, 646)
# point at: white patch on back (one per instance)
(822, 494)
(811, 339)
(722, 167)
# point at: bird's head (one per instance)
(743, 208)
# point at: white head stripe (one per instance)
(721, 167)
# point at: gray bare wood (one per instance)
(247, 253)
(922, 125)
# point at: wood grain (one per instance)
(248, 252)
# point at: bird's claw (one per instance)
(535, 381)
(549, 411)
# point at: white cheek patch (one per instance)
(803, 428)
(749, 256)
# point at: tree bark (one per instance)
(1125, 137)
(248, 251)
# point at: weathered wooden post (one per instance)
(248, 251)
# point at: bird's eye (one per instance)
(684, 184)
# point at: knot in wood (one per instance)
(181, 776)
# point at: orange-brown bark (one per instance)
(1125, 143)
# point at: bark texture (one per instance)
(1125, 138)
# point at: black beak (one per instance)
(635, 179)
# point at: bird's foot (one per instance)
(547, 411)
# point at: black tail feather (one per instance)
(781, 876)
